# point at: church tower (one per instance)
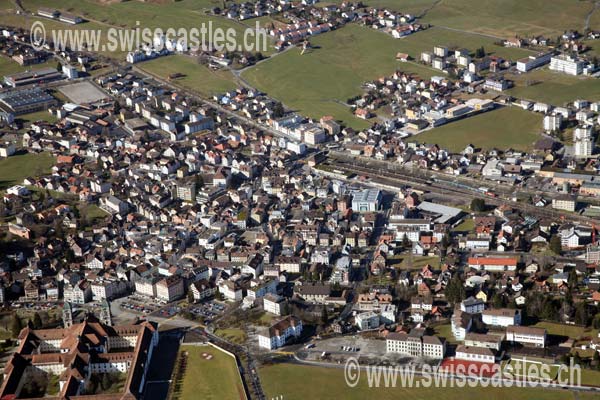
(105, 316)
(67, 315)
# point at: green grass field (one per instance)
(503, 128)
(466, 226)
(445, 331)
(554, 87)
(419, 262)
(27, 119)
(234, 335)
(508, 18)
(25, 22)
(426, 40)
(196, 77)
(92, 213)
(504, 19)
(290, 381)
(571, 331)
(413, 7)
(18, 167)
(532, 369)
(8, 66)
(320, 81)
(125, 14)
(217, 378)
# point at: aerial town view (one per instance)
(300, 199)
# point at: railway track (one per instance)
(448, 189)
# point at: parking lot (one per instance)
(139, 304)
(37, 306)
(346, 346)
(208, 310)
(368, 350)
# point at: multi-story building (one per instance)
(146, 286)
(274, 304)
(567, 64)
(501, 317)
(203, 289)
(259, 289)
(478, 354)
(489, 340)
(387, 314)
(528, 63)
(289, 264)
(170, 288)
(77, 352)
(108, 288)
(583, 147)
(366, 200)
(583, 141)
(279, 333)
(79, 293)
(230, 290)
(565, 202)
(461, 323)
(313, 292)
(496, 84)
(367, 320)
(472, 305)
(416, 344)
(553, 122)
(526, 335)
(187, 192)
(493, 264)
(592, 254)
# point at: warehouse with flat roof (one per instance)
(32, 77)
(26, 101)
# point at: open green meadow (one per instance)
(234, 335)
(8, 66)
(196, 76)
(467, 225)
(320, 81)
(572, 331)
(290, 381)
(18, 167)
(126, 14)
(554, 87)
(422, 41)
(43, 115)
(211, 379)
(413, 7)
(508, 127)
(503, 19)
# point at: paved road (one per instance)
(161, 365)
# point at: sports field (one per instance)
(508, 127)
